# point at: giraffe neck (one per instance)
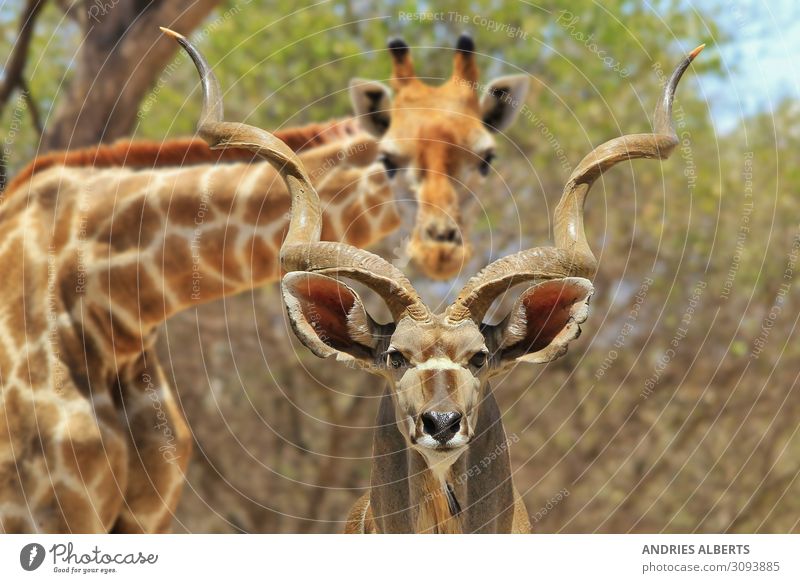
(132, 248)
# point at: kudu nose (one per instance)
(441, 426)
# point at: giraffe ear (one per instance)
(329, 317)
(503, 101)
(371, 104)
(544, 320)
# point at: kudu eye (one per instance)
(486, 163)
(396, 359)
(389, 164)
(478, 359)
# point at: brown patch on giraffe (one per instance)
(118, 188)
(45, 193)
(14, 525)
(16, 427)
(262, 212)
(106, 413)
(180, 152)
(5, 366)
(390, 222)
(48, 416)
(199, 285)
(186, 208)
(173, 259)
(11, 285)
(261, 259)
(346, 181)
(114, 471)
(358, 225)
(17, 326)
(280, 235)
(376, 198)
(111, 332)
(76, 511)
(11, 224)
(34, 370)
(162, 445)
(62, 226)
(131, 287)
(224, 203)
(218, 250)
(173, 256)
(134, 226)
(362, 151)
(328, 233)
(85, 438)
(220, 184)
(71, 279)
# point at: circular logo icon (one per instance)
(31, 556)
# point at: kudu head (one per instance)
(437, 365)
(437, 144)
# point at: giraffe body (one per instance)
(91, 436)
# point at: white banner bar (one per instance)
(327, 558)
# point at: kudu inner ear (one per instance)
(328, 316)
(371, 103)
(545, 319)
(503, 101)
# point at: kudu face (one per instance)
(437, 146)
(437, 364)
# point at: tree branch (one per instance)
(19, 54)
(121, 57)
(32, 107)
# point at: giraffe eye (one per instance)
(478, 359)
(486, 163)
(396, 359)
(389, 164)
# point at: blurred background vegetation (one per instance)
(677, 410)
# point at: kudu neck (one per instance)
(477, 496)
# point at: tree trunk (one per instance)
(122, 54)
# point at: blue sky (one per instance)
(762, 60)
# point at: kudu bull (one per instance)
(438, 420)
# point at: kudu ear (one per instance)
(329, 317)
(371, 104)
(544, 320)
(503, 101)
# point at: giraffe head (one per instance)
(437, 144)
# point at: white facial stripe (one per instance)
(439, 363)
(457, 440)
(410, 424)
(428, 446)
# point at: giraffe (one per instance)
(100, 247)
(437, 143)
